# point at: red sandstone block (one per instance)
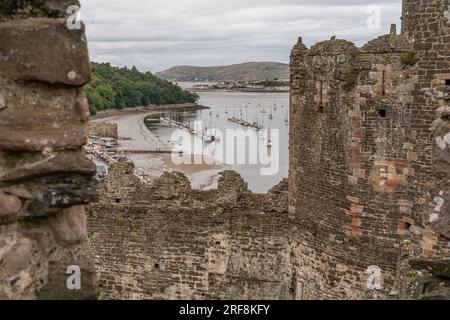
(365, 156)
(351, 214)
(355, 231)
(391, 170)
(400, 163)
(427, 246)
(428, 253)
(357, 208)
(403, 226)
(392, 182)
(356, 222)
(9, 204)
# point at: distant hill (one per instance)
(250, 71)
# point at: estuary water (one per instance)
(243, 149)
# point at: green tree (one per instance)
(122, 87)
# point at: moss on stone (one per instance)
(413, 278)
(350, 80)
(409, 59)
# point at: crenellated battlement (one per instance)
(368, 183)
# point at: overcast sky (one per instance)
(157, 34)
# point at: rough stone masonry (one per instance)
(369, 161)
(168, 241)
(366, 214)
(44, 178)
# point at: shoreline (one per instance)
(134, 135)
(236, 90)
(146, 109)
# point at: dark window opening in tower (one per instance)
(382, 113)
(447, 82)
(321, 98)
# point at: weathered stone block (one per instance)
(36, 117)
(49, 199)
(48, 181)
(83, 108)
(65, 63)
(18, 258)
(9, 205)
(69, 226)
(14, 167)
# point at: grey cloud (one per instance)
(154, 35)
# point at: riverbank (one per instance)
(200, 90)
(146, 109)
(139, 144)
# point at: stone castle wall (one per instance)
(367, 200)
(168, 241)
(44, 178)
(103, 129)
(361, 159)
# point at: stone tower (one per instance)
(368, 183)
